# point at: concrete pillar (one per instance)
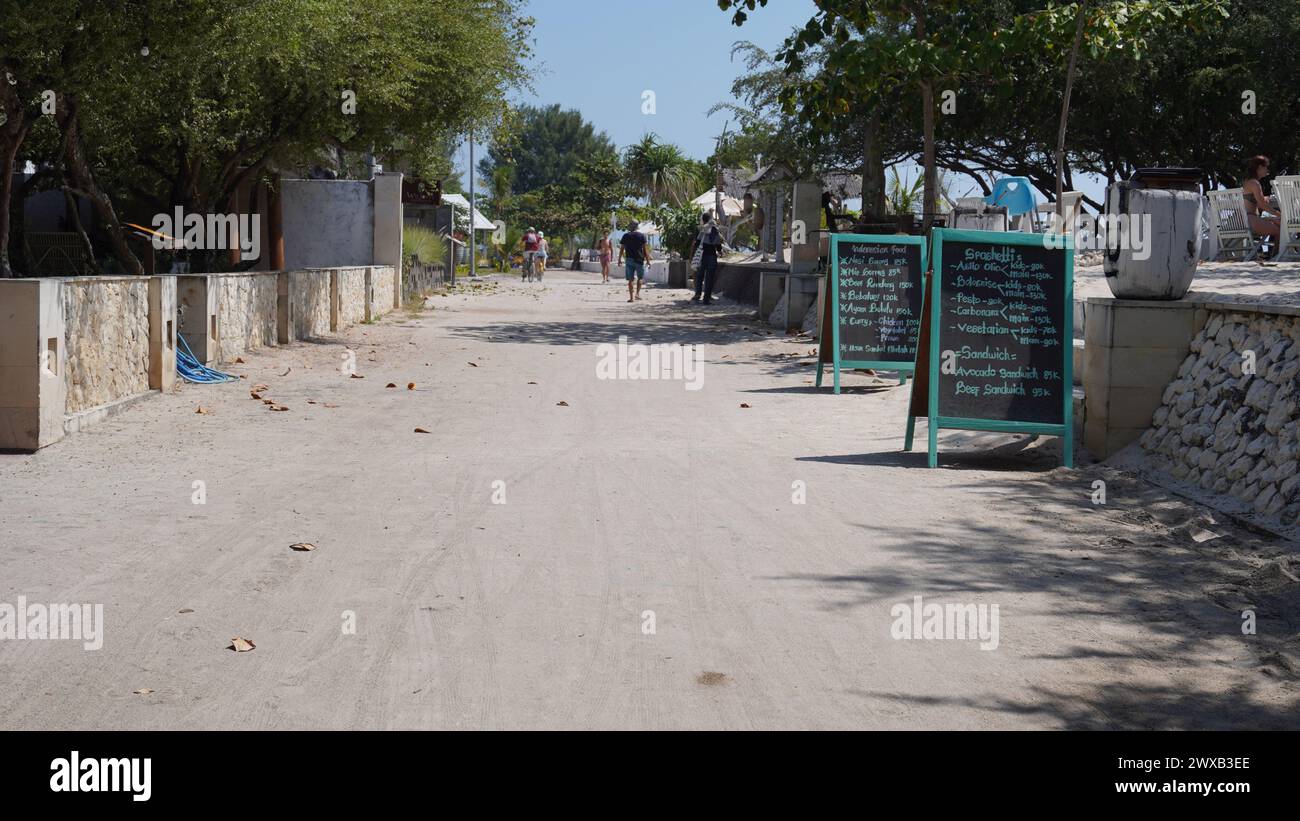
(805, 224)
(1132, 351)
(162, 332)
(33, 363)
(196, 299)
(388, 228)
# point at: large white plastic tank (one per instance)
(1164, 264)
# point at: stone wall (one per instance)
(309, 299)
(246, 312)
(382, 281)
(106, 334)
(1228, 430)
(352, 296)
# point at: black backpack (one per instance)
(714, 237)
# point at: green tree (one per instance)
(660, 170)
(543, 148)
(181, 102)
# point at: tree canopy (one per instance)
(178, 102)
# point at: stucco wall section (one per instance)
(245, 312)
(106, 333)
(327, 223)
(309, 295)
(352, 296)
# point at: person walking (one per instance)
(709, 240)
(543, 251)
(635, 248)
(606, 250)
(530, 242)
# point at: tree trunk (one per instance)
(931, 190)
(83, 181)
(1065, 109)
(12, 135)
(73, 209)
(873, 169)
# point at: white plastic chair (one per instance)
(1228, 218)
(1046, 213)
(1287, 191)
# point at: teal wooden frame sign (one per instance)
(933, 340)
(903, 367)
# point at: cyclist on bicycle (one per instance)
(532, 243)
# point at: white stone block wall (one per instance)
(309, 297)
(1231, 431)
(246, 312)
(352, 296)
(383, 286)
(106, 334)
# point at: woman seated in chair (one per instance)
(1265, 218)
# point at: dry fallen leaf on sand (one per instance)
(143, 691)
(239, 360)
(259, 387)
(391, 385)
(286, 373)
(562, 404)
(421, 430)
(743, 405)
(311, 401)
(356, 376)
(328, 405)
(185, 610)
(279, 408)
(241, 645)
(532, 383)
(472, 365)
(200, 409)
(410, 386)
(302, 546)
(255, 394)
(268, 401)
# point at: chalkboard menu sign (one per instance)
(873, 313)
(998, 341)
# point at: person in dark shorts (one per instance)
(635, 248)
(710, 240)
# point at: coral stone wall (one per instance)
(246, 312)
(352, 296)
(309, 295)
(382, 281)
(106, 332)
(1229, 426)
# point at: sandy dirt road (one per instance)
(635, 496)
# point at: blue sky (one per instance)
(600, 56)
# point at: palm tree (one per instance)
(660, 169)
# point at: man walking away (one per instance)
(710, 241)
(635, 248)
(531, 243)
